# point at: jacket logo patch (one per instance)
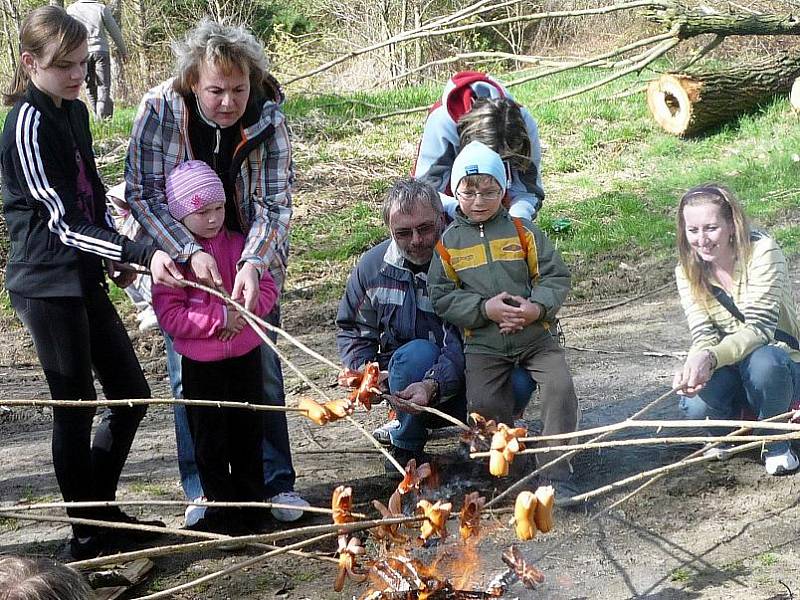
(462, 260)
(512, 247)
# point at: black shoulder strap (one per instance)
(728, 304)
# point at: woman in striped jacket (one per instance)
(62, 243)
(735, 290)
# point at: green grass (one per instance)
(609, 172)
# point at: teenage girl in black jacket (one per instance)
(62, 243)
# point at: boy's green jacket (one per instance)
(475, 262)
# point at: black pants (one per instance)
(72, 336)
(227, 441)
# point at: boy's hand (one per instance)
(500, 308)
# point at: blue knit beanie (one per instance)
(477, 158)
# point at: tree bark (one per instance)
(693, 22)
(688, 103)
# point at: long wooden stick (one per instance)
(234, 568)
(217, 540)
(139, 401)
(654, 441)
(669, 424)
(246, 315)
(181, 503)
(567, 455)
(431, 410)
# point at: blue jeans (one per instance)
(408, 364)
(279, 474)
(765, 382)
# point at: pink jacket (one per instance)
(194, 317)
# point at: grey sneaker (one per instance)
(718, 451)
(384, 433)
(287, 515)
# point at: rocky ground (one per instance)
(716, 530)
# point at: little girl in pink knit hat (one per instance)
(221, 357)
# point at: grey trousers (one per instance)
(98, 84)
(489, 390)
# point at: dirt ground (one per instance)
(718, 530)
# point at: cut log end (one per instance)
(671, 101)
(794, 96)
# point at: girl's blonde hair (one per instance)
(41, 27)
(227, 47)
(695, 268)
(498, 123)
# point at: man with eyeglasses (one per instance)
(386, 316)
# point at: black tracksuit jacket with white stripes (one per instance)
(55, 247)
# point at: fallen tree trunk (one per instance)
(794, 97)
(689, 23)
(689, 103)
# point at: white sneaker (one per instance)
(384, 433)
(781, 462)
(147, 320)
(194, 513)
(287, 515)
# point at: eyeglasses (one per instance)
(488, 196)
(424, 230)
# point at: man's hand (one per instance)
(415, 395)
(245, 286)
(164, 270)
(694, 375)
(204, 267)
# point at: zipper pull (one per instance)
(218, 133)
(480, 227)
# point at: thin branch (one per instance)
(146, 401)
(182, 503)
(667, 424)
(702, 439)
(593, 59)
(657, 52)
(617, 304)
(234, 568)
(567, 455)
(429, 30)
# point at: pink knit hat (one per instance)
(191, 186)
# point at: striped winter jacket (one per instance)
(762, 291)
(48, 230)
(476, 261)
(385, 306)
(263, 162)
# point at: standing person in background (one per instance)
(98, 19)
(224, 108)
(476, 107)
(62, 244)
(736, 293)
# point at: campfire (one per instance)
(423, 559)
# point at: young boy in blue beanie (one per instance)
(501, 281)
